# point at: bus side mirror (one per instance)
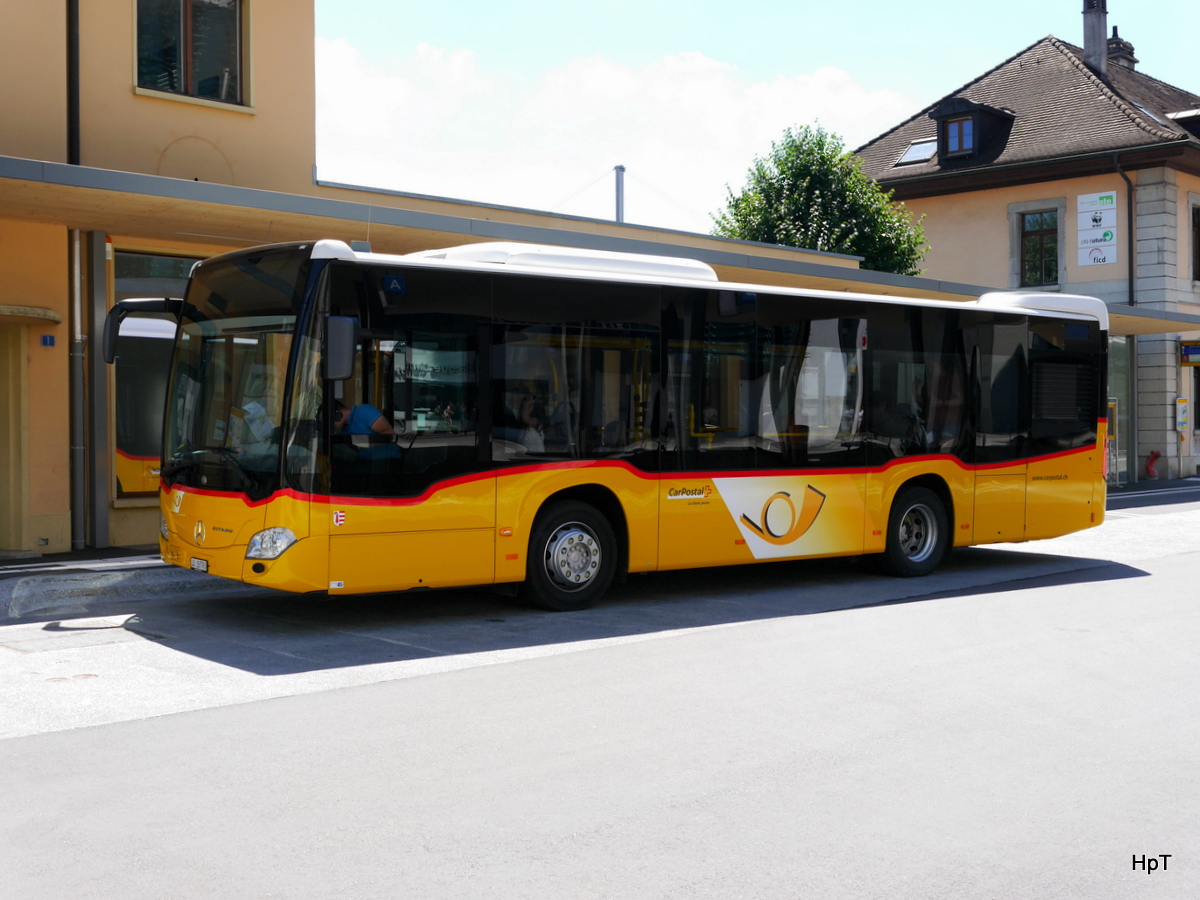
(341, 343)
(122, 308)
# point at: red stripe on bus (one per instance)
(437, 487)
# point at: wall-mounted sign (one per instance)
(1097, 221)
(1097, 256)
(1090, 202)
(1097, 237)
(1181, 415)
(1098, 218)
(1189, 353)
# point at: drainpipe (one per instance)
(78, 449)
(1129, 228)
(73, 82)
(76, 367)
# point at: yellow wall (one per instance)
(33, 272)
(33, 72)
(270, 143)
(969, 238)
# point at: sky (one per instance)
(530, 104)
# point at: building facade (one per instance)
(137, 136)
(1067, 168)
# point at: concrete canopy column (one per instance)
(1158, 367)
(99, 465)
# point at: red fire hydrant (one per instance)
(1151, 471)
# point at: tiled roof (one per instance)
(1061, 109)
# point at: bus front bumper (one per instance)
(298, 569)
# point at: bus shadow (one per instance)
(280, 634)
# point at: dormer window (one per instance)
(966, 128)
(960, 135)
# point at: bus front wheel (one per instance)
(918, 533)
(572, 557)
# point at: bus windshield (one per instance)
(229, 374)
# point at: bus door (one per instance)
(1000, 375)
(412, 497)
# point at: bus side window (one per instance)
(573, 370)
(713, 389)
(917, 384)
(812, 394)
(998, 344)
(413, 403)
(1063, 384)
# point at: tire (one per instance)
(918, 533)
(572, 557)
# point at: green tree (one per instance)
(811, 192)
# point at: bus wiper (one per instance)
(173, 470)
(249, 483)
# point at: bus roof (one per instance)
(541, 259)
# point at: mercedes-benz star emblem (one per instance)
(198, 533)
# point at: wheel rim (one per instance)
(573, 556)
(918, 532)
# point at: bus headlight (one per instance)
(162, 527)
(270, 544)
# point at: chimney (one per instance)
(1095, 30)
(1120, 51)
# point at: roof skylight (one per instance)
(919, 151)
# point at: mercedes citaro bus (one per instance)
(354, 422)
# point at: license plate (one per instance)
(200, 565)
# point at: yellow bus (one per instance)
(511, 414)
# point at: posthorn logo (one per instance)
(780, 523)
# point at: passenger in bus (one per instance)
(362, 419)
(530, 415)
(365, 419)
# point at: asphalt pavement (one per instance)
(1020, 724)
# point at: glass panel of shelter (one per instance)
(143, 367)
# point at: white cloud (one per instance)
(684, 126)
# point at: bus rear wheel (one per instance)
(918, 533)
(572, 557)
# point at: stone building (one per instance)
(1068, 168)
